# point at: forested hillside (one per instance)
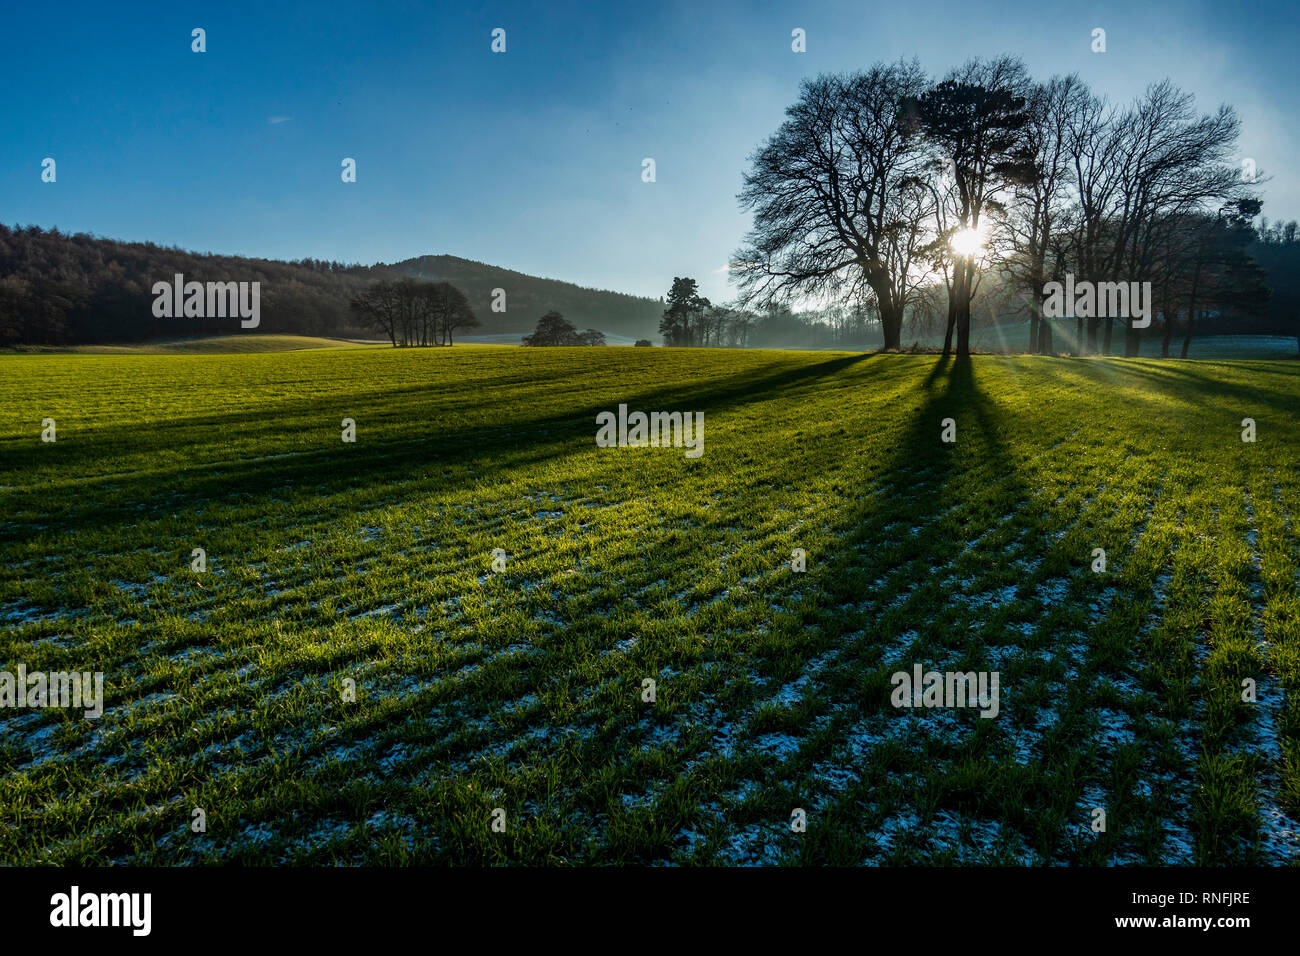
(61, 289)
(528, 298)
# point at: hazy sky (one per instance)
(529, 159)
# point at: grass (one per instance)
(522, 690)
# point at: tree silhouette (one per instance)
(681, 324)
(975, 120)
(414, 313)
(553, 329)
(838, 196)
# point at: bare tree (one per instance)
(1136, 173)
(837, 197)
(1042, 205)
(445, 309)
(379, 307)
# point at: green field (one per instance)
(522, 690)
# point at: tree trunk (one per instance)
(1191, 307)
(891, 324)
(1132, 340)
(1110, 328)
(963, 329)
(1041, 341)
(1091, 347)
(1037, 319)
(952, 323)
(964, 271)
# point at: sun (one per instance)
(967, 242)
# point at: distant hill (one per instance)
(528, 298)
(60, 289)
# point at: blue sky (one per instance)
(529, 159)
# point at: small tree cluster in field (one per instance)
(643, 343)
(555, 329)
(412, 312)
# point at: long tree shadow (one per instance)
(925, 472)
(527, 439)
(911, 494)
(918, 487)
(940, 368)
(1205, 387)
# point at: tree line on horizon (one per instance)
(58, 289)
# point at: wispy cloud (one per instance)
(274, 120)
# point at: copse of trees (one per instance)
(554, 329)
(1205, 265)
(412, 312)
(692, 320)
(884, 186)
(530, 296)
